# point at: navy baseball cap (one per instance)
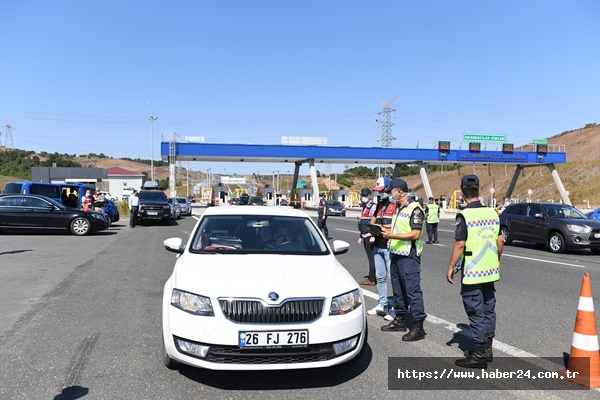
(469, 180)
(397, 183)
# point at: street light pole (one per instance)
(152, 119)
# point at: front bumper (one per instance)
(221, 336)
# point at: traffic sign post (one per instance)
(475, 137)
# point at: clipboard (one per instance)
(374, 229)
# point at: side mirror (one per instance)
(174, 245)
(340, 247)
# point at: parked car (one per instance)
(109, 196)
(244, 199)
(238, 301)
(154, 207)
(334, 207)
(175, 208)
(559, 226)
(594, 214)
(31, 212)
(184, 203)
(256, 201)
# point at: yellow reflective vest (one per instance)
(401, 224)
(481, 264)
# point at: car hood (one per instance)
(232, 275)
(592, 223)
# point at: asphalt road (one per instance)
(80, 318)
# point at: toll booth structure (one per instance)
(527, 155)
(341, 195)
(268, 193)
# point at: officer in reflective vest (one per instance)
(476, 253)
(406, 244)
(432, 215)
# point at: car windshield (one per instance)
(151, 195)
(182, 200)
(257, 234)
(335, 203)
(563, 211)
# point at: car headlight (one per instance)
(345, 303)
(192, 303)
(97, 216)
(579, 228)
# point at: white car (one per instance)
(259, 288)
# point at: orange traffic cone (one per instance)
(584, 360)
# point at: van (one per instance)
(69, 194)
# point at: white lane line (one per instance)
(543, 261)
(501, 346)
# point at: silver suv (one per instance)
(184, 203)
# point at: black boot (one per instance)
(475, 359)
(416, 332)
(489, 355)
(397, 325)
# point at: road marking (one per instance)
(501, 346)
(544, 261)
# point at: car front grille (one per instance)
(226, 354)
(255, 312)
(235, 355)
(151, 207)
(592, 236)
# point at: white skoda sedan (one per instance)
(259, 288)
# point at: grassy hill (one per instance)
(580, 175)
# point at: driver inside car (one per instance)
(281, 236)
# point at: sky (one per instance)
(81, 77)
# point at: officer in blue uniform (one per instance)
(476, 253)
(406, 244)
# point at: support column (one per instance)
(559, 184)
(295, 181)
(513, 182)
(425, 180)
(314, 182)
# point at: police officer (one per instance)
(322, 216)
(406, 245)
(432, 216)
(384, 213)
(476, 253)
(365, 238)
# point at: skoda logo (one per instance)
(273, 296)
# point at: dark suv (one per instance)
(154, 207)
(558, 226)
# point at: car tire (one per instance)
(80, 226)
(506, 233)
(556, 243)
(168, 361)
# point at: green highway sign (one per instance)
(539, 141)
(475, 137)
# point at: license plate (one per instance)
(152, 212)
(596, 235)
(274, 339)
